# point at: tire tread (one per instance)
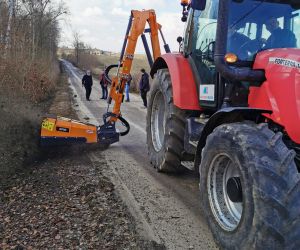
(276, 185)
(169, 160)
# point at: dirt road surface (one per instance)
(166, 208)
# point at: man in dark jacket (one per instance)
(87, 82)
(144, 86)
(279, 38)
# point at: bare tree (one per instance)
(78, 45)
(76, 42)
(36, 16)
(29, 35)
(11, 10)
(30, 26)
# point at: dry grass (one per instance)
(96, 64)
(24, 99)
(34, 80)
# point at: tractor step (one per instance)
(188, 164)
(193, 130)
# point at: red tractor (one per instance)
(228, 106)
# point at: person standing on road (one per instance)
(87, 83)
(103, 83)
(127, 88)
(144, 86)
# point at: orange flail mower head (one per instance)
(60, 130)
(64, 131)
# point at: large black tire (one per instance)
(166, 151)
(270, 184)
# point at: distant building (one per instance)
(97, 52)
(66, 51)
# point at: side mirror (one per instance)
(185, 11)
(184, 18)
(198, 4)
(179, 39)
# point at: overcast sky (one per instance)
(102, 23)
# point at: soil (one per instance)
(19, 133)
(57, 198)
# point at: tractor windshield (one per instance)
(254, 25)
(259, 25)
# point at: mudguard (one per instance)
(185, 94)
(226, 115)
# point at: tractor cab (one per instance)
(223, 38)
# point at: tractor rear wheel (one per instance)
(165, 126)
(250, 188)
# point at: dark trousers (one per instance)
(104, 92)
(144, 97)
(88, 91)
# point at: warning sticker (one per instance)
(48, 125)
(284, 62)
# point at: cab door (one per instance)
(199, 44)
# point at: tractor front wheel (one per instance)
(165, 126)
(249, 186)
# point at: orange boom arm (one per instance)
(136, 28)
(57, 131)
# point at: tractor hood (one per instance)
(281, 90)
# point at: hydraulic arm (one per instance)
(135, 29)
(62, 131)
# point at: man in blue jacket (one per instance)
(144, 86)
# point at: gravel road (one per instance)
(166, 207)
(61, 199)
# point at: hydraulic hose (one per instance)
(106, 72)
(121, 119)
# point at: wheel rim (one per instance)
(158, 121)
(223, 171)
